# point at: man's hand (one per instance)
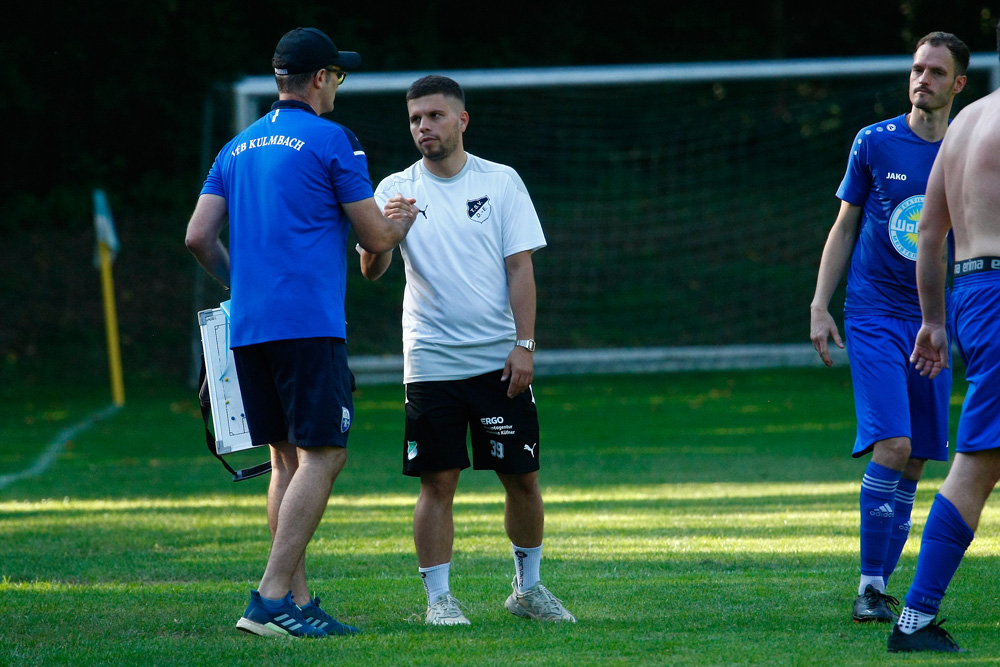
(821, 327)
(930, 351)
(519, 369)
(377, 231)
(401, 208)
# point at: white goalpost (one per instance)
(685, 205)
(250, 90)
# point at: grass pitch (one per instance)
(691, 519)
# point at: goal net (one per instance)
(685, 206)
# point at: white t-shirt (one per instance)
(457, 320)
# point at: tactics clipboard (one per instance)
(225, 403)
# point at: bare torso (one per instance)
(971, 161)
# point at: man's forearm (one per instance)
(215, 261)
(521, 285)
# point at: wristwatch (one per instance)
(528, 344)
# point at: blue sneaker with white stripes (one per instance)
(286, 621)
(318, 618)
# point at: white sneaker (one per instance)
(446, 611)
(538, 603)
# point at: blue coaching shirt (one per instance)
(887, 175)
(284, 179)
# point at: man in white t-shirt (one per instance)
(468, 343)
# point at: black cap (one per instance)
(308, 50)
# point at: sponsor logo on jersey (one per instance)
(345, 420)
(893, 176)
(903, 226)
(479, 209)
(531, 449)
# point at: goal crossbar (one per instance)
(252, 87)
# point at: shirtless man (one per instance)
(963, 194)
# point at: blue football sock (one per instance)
(274, 605)
(878, 493)
(906, 492)
(945, 540)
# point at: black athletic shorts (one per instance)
(297, 391)
(440, 414)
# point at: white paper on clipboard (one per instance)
(228, 418)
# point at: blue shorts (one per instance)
(975, 303)
(296, 390)
(891, 398)
(441, 414)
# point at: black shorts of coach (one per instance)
(440, 415)
(296, 390)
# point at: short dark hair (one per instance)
(959, 51)
(433, 84)
(296, 84)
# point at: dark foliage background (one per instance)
(111, 94)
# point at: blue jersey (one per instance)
(283, 179)
(887, 176)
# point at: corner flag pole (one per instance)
(107, 248)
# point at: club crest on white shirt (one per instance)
(479, 209)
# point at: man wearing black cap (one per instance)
(290, 186)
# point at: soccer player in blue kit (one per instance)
(963, 194)
(902, 417)
(291, 186)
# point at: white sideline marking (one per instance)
(56, 446)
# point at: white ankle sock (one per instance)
(877, 582)
(527, 565)
(911, 620)
(435, 580)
